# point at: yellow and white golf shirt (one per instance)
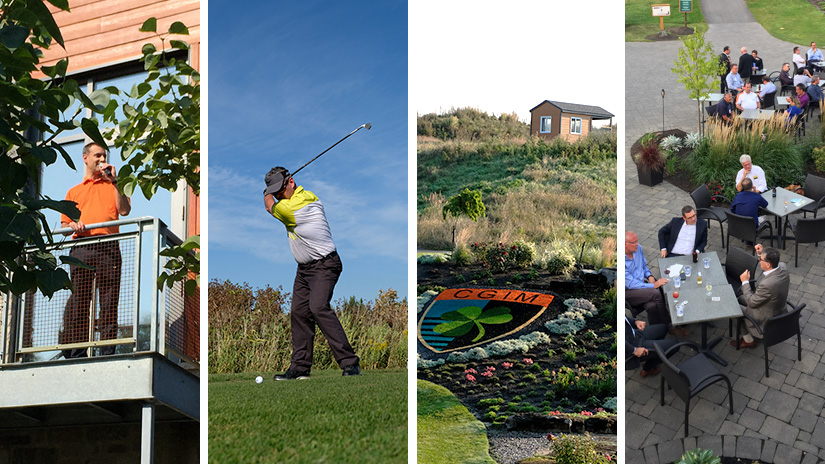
(306, 225)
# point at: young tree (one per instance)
(698, 68)
(467, 203)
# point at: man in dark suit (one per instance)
(745, 64)
(769, 297)
(638, 341)
(684, 235)
(724, 60)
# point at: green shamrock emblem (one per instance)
(465, 318)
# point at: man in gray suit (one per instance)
(768, 299)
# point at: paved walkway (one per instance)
(780, 418)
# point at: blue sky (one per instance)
(286, 81)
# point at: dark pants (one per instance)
(311, 294)
(654, 333)
(106, 261)
(650, 300)
(724, 85)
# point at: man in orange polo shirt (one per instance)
(98, 200)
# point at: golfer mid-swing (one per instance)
(318, 269)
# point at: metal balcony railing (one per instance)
(113, 308)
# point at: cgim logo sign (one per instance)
(462, 318)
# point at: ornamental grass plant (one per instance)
(769, 143)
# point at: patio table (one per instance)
(782, 101)
(753, 115)
(700, 307)
(711, 98)
(785, 203)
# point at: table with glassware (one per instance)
(784, 203)
(696, 299)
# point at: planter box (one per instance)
(649, 177)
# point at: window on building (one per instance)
(575, 125)
(546, 124)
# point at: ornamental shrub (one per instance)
(611, 404)
(523, 253)
(576, 449)
(428, 363)
(565, 326)
(818, 155)
(474, 354)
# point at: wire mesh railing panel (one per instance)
(183, 321)
(99, 310)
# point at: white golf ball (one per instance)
(259, 379)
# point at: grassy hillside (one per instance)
(547, 193)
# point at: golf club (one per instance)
(367, 126)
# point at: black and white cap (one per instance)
(276, 180)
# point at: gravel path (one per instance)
(512, 447)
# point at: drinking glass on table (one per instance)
(706, 262)
(709, 287)
(687, 271)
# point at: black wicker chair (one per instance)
(806, 231)
(778, 329)
(769, 100)
(689, 377)
(702, 200)
(815, 190)
(742, 227)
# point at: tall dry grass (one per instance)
(249, 330)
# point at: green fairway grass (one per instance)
(447, 432)
(640, 23)
(797, 22)
(326, 419)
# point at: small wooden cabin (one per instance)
(571, 121)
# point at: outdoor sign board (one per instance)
(661, 10)
(461, 318)
(685, 6)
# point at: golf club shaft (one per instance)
(367, 125)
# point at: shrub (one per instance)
(559, 262)
(692, 140)
(523, 253)
(490, 416)
(462, 255)
(611, 404)
(565, 326)
(670, 144)
(474, 354)
(576, 449)
(431, 258)
(427, 363)
(569, 356)
(818, 155)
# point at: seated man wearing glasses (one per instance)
(642, 289)
(769, 297)
(683, 235)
